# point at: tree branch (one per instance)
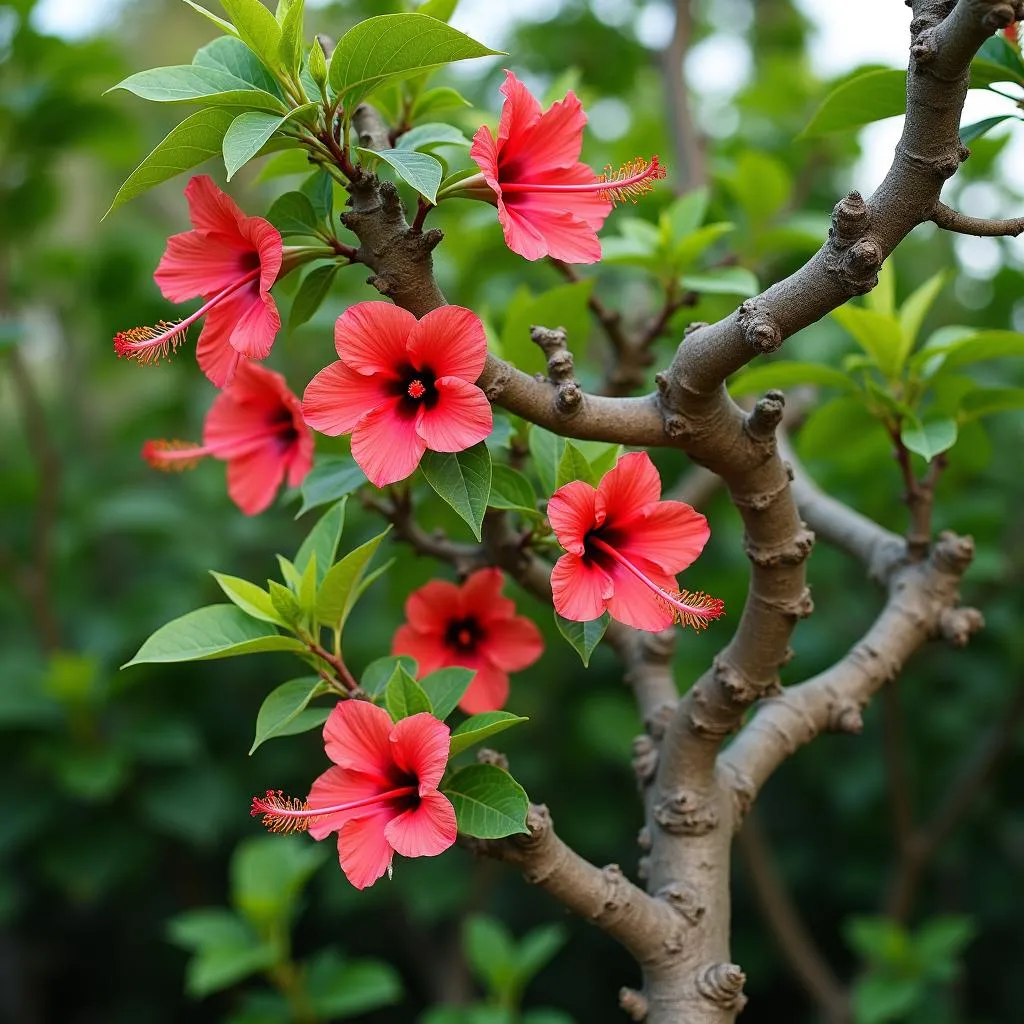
(984, 227)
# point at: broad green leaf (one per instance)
(318, 66)
(869, 96)
(289, 573)
(286, 603)
(290, 14)
(257, 28)
(207, 927)
(573, 465)
(722, 281)
(996, 61)
(693, 246)
(788, 374)
(445, 688)
(220, 967)
(546, 449)
(975, 130)
(191, 143)
(192, 83)
(433, 100)
(420, 170)
(336, 987)
(315, 287)
(930, 438)
(463, 480)
(395, 46)
(564, 306)
(319, 188)
(943, 938)
(488, 802)
(224, 26)
(230, 54)
(882, 298)
(250, 132)
(404, 696)
(880, 336)
(339, 590)
(879, 998)
(481, 727)
(377, 673)
(292, 214)
(491, 951)
(322, 541)
(584, 636)
(440, 9)
(762, 184)
(253, 600)
(428, 136)
(687, 213)
(982, 346)
(511, 490)
(538, 948)
(283, 705)
(331, 478)
(916, 307)
(287, 162)
(216, 631)
(987, 401)
(308, 584)
(304, 721)
(268, 874)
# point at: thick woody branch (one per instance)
(648, 927)
(922, 605)
(984, 227)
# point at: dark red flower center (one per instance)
(282, 423)
(464, 635)
(415, 388)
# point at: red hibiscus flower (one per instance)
(230, 261)
(402, 386)
(624, 548)
(473, 626)
(381, 797)
(256, 426)
(1011, 33)
(549, 204)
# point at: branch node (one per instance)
(850, 218)
(766, 415)
(645, 759)
(659, 719)
(682, 812)
(958, 625)
(634, 1004)
(846, 717)
(692, 328)
(953, 553)
(923, 50)
(487, 756)
(684, 899)
(998, 17)
(759, 326)
(722, 984)
(859, 268)
(791, 551)
(677, 426)
(643, 839)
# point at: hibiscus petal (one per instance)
(371, 337)
(301, 456)
(450, 341)
(194, 265)
(256, 322)
(253, 478)
(340, 786)
(670, 535)
(572, 514)
(461, 418)
(627, 488)
(635, 604)
(429, 651)
(430, 608)
(337, 398)
(216, 358)
(580, 589)
(521, 235)
(588, 206)
(265, 239)
(419, 746)
(480, 596)
(386, 445)
(364, 852)
(211, 210)
(484, 152)
(519, 113)
(487, 691)
(426, 831)
(357, 735)
(562, 235)
(554, 141)
(512, 644)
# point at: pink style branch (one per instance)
(447, 423)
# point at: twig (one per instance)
(952, 220)
(422, 209)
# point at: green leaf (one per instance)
(395, 46)
(762, 184)
(463, 480)
(882, 298)
(488, 802)
(433, 100)
(511, 490)
(257, 28)
(283, 705)
(230, 54)
(584, 636)
(404, 696)
(930, 438)
(221, 967)
(331, 478)
(996, 61)
(339, 590)
(916, 308)
(431, 135)
(986, 401)
(604, 459)
(943, 938)
(445, 688)
(546, 449)
(564, 306)
(788, 374)
(207, 927)
(289, 17)
(318, 65)
(319, 188)
(315, 287)
(307, 588)
(253, 600)
(869, 96)
(268, 874)
(322, 541)
(481, 727)
(420, 170)
(538, 948)
(982, 346)
(310, 718)
(292, 214)
(286, 603)
(216, 631)
(723, 281)
(250, 132)
(191, 143)
(975, 130)
(880, 998)
(224, 26)
(573, 465)
(440, 9)
(191, 83)
(490, 950)
(687, 213)
(336, 987)
(377, 674)
(686, 252)
(880, 336)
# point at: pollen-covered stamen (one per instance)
(688, 609)
(631, 180)
(416, 389)
(151, 344)
(289, 814)
(172, 456)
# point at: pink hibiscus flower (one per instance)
(230, 261)
(473, 626)
(381, 796)
(550, 204)
(402, 386)
(624, 548)
(255, 425)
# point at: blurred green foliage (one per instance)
(127, 794)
